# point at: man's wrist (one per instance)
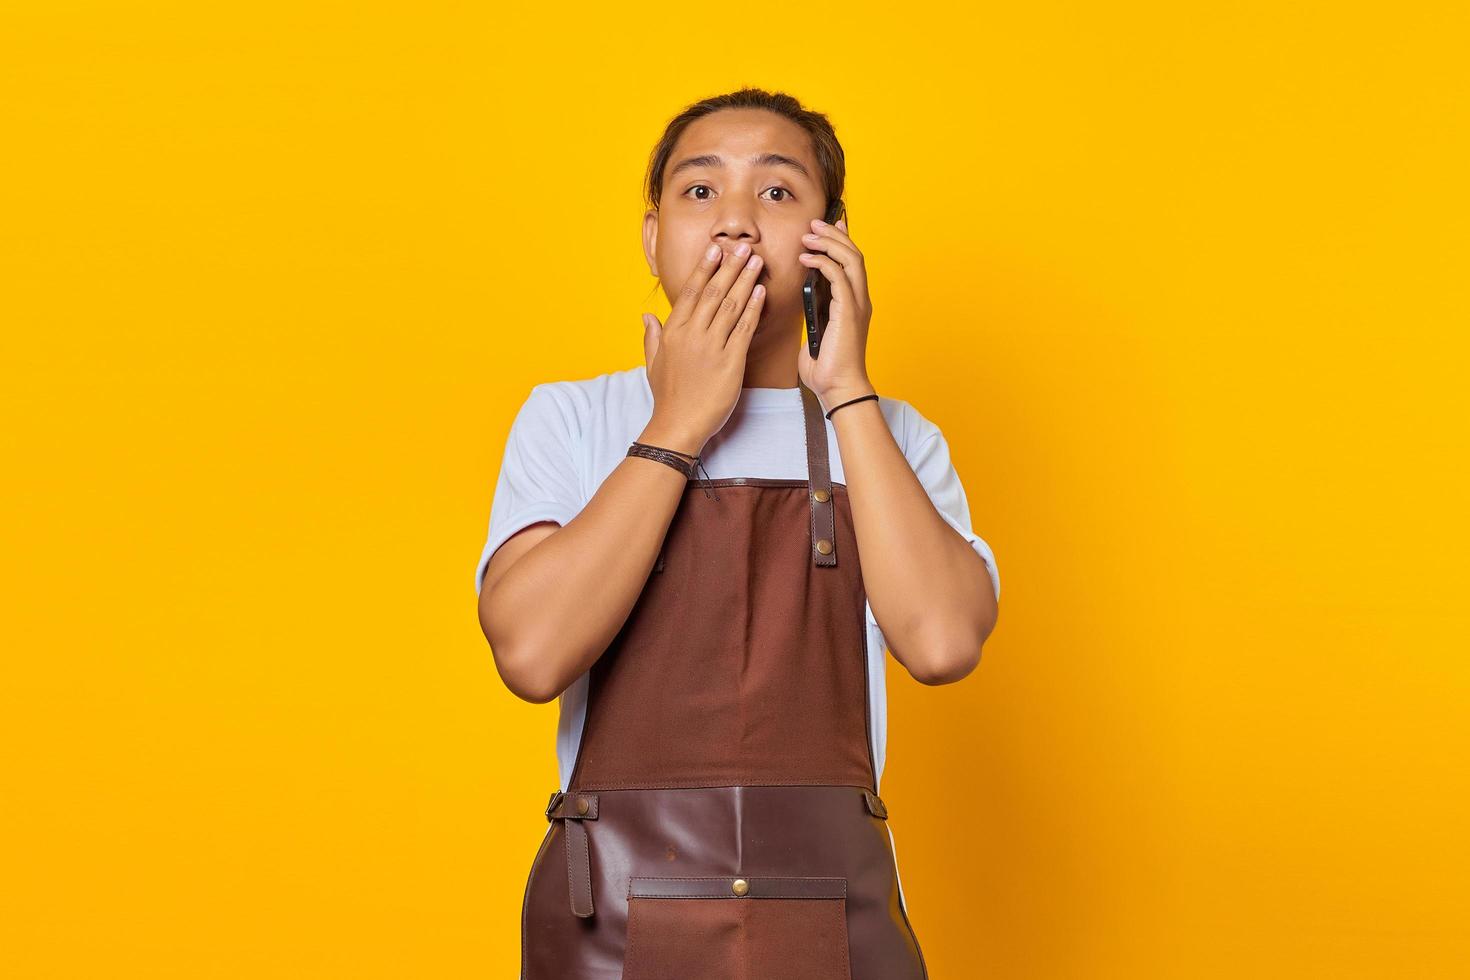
(671, 437)
(837, 396)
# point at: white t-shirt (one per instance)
(569, 435)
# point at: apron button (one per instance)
(740, 886)
(824, 546)
(582, 805)
(821, 496)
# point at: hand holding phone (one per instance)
(816, 293)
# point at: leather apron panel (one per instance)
(711, 838)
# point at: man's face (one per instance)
(717, 188)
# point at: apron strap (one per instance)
(574, 808)
(819, 479)
(875, 804)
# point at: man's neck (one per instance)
(771, 360)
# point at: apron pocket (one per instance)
(712, 928)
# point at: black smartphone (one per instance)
(816, 293)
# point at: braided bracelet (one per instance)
(663, 456)
(674, 458)
(852, 401)
(674, 451)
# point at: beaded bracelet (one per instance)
(852, 401)
(674, 458)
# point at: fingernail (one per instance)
(819, 222)
(712, 252)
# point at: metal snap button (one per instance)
(582, 805)
(740, 886)
(821, 496)
(824, 546)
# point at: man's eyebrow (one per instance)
(761, 160)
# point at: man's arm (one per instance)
(554, 597)
(930, 591)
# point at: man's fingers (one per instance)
(693, 287)
(652, 330)
(832, 240)
(745, 327)
(733, 303)
(834, 273)
(716, 290)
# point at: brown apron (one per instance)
(721, 821)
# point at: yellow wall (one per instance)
(1185, 288)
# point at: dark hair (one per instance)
(824, 140)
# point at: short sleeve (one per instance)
(539, 476)
(929, 458)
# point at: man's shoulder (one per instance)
(599, 393)
(591, 406)
(911, 427)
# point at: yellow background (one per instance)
(1183, 284)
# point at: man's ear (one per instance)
(650, 240)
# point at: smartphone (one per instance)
(816, 293)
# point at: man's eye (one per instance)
(784, 192)
(697, 187)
